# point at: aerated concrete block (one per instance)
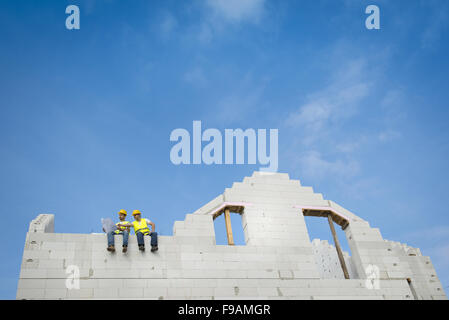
(277, 262)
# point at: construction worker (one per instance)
(141, 229)
(122, 229)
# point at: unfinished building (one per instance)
(278, 260)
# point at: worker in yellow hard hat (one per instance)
(141, 229)
(122, 229)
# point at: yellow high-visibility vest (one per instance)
(141, 226)
(120, 229)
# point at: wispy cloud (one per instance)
(196, 77)
(391, 104)
(430, 233)
(236, 11)
(433, 242)
(325, 122)
(219, 15)
(321, 116)
(238, 106)
(392, 107)
(439, 22)
(338, 101)
(388, 135)
(167, 25)
(352, 145)
(441, 254)
(314, 165)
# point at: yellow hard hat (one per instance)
(123, 211)
(136, 212)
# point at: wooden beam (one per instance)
(229, 227)
(337, 246)
(341, 221)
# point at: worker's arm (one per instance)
(153, 226)
(124, 224)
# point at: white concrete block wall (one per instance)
(277, 262)
(43, 223)
(327, 261)
(420, 271)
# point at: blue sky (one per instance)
(87, 114)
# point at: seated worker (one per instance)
(121, 230)
(141, 229)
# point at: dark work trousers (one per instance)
(141, 242)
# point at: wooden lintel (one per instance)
(341, 221)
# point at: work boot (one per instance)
(111, 249)
(142, 248)
(125, 248)
(154, 248)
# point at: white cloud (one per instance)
(167, 25)
(433, 242)
(391, 98)
(237, 10)
(439, 21)
(220, 14)
(441, 254)
(429, 233)
(205, 33)
(313, 165)
(196, 77)
(330, 139)
(340, 100)
(436, 243)
(333, 103)
(388, 135)
(351, 146)
(321, 117)
(219, 17)
(392, 105)
(239, 105)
